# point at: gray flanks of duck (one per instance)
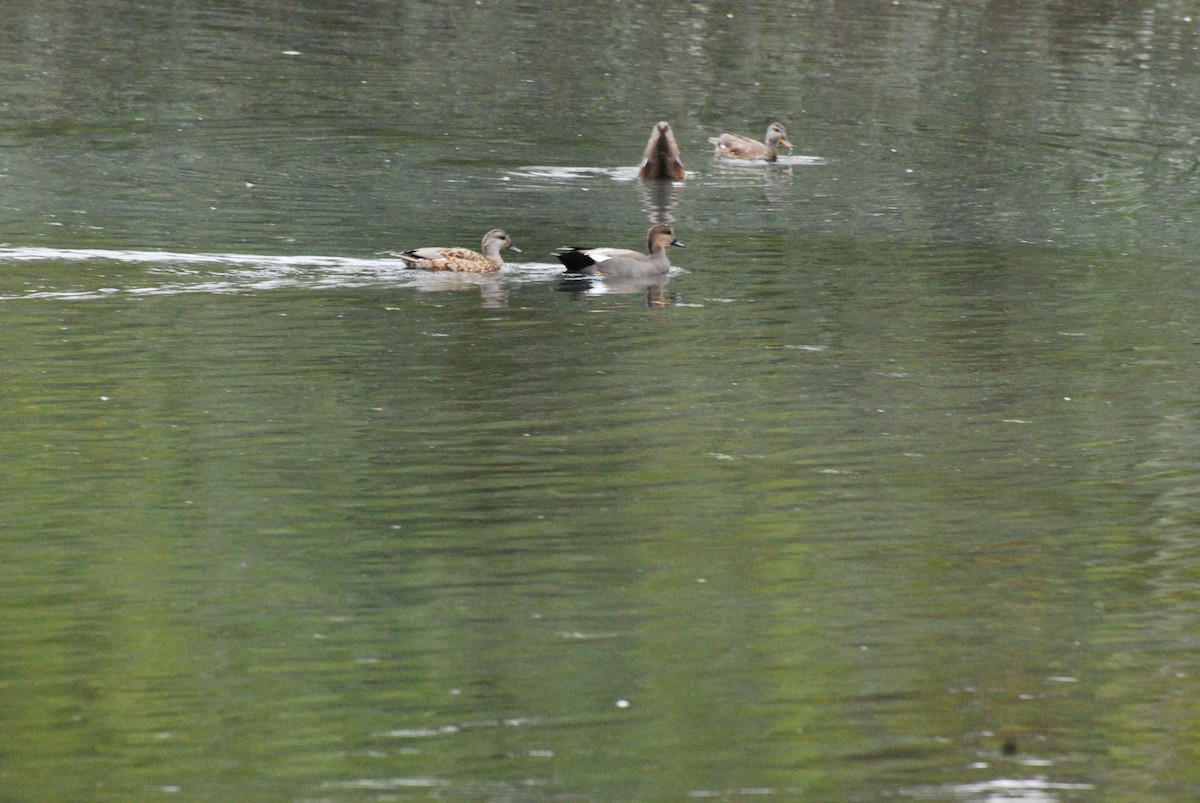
(462, 260)
(735, 146)
(622, 262)
(661, 159)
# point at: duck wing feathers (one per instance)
(735, 146)
(585, 260)
(463, 260)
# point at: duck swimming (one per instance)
(735, 146)
(661, 159)
(461, 260)
(622, 262)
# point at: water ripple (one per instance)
(238, 273)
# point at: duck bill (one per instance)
(784, 142)
(515, 250)
(677, 244)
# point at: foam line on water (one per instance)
(26, 254)
(216, 273)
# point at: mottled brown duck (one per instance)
(735, 146)
(461, 260)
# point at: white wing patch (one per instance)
(599, 255)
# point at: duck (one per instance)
(661, 158)
(735, 146)
(461, 260)
(621, 262)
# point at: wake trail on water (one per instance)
(239, 273)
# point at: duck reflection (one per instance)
(774, 177)
(659, 199)
(582, 285)
(492, 290)
(655, 289)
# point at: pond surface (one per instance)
(892, 490)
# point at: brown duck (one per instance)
(661, 158)
(462, 260)
(735, 146)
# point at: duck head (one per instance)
(776, 133)
(500, 238)
(659, 237)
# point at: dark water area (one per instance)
(889, 490)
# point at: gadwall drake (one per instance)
(462, 260)
(735, 146)
(661, 158)
(621, 262)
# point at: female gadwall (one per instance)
(661, 158)
(621, 262)
(463, 260)
(735, 146)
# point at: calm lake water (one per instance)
(892, 491)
